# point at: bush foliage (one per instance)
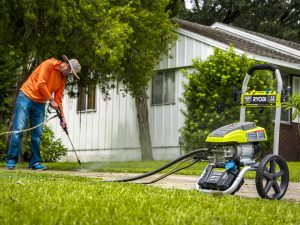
(294, 103)
(208, 96)
(2, 142)
(51, 149)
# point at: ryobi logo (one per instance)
(259, 99)
(262, 100)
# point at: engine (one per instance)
(243, 153)
(237, 141)
(234, 145)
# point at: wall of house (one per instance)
(107, 133)
(110, 133)
(166, 120)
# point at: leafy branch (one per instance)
(294, 103)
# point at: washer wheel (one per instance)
(272, 177)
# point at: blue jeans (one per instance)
(35, 111)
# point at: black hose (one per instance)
(170, 172)
(192, 153)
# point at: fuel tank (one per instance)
(239, 133)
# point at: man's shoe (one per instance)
(38, 166)
(10, 164)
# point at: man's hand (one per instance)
(53, 104)
(63, 124)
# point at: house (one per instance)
(108, 130)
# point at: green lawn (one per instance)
(146, 166)
(38, 198)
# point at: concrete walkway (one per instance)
(185, 182)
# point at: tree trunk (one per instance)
(144, 131)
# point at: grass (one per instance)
(39, 198)
(146, 166)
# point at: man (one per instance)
(46, 83)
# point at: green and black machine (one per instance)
(236, 146)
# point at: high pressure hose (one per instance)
(174, 170)
(20, 131)
(196, 154)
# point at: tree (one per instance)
(9, 65)
(152, 33)
(276, 17)
(114, 40)
(208, 96)
(174, 7)
(32, 31)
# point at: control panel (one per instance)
(260, 99)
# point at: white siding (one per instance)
(190, 53)
(110, 133)
(173, 57)
(164, 61)
(181, 54)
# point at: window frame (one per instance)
(164, 86)
(86, 98)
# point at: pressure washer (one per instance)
(236, 146)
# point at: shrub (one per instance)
(208, 96)
(3, 148)
(294, 103)
(51, 149)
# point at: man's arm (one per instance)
(58, 97)
(44, 74)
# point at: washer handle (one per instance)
(262, 67)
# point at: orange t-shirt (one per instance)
(44, 81)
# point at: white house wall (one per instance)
(110, 133)
(107, 134)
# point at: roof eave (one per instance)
(224, 46)
(258, 40)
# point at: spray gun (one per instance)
(58, 112)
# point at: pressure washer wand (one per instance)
(67, 132)
(73, 148)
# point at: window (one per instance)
(163, 88)
(86, 98)
(296, 85)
